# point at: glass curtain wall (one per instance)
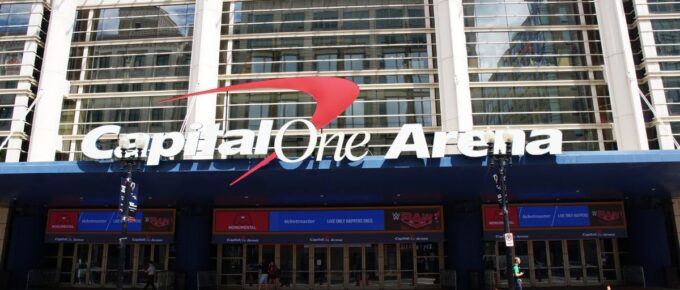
(123, 61)
(22, 34)
(539, 63)
(386, 47)
(658, 63)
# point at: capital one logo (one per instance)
(332, 96)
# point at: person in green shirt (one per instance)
(517, 274)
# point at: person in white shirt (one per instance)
(150, 276)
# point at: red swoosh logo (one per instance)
(332, 96)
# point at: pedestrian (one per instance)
(273, 273)
(150, 275)
(264, 277)
(517, 274)
(82, 269)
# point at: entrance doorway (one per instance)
(93, 264)
(342, 266)
(560, 262)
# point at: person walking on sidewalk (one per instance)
(517, 274)
(150, 276)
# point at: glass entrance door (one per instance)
(356, 275)
(91, 265)
(407, 276)
(560, 262)
(540, 262)
(390, 267)
(348, 266)
(556, 263)
(591, 259)
(575, 262)
(320, 258)
(337, 267)
(88, 264)
(371, 266)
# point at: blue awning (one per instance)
(608, 175)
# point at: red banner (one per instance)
(493, 217)
(62, 221)
(607, 215)
(158, 221)
(241, 221)
(414, 219)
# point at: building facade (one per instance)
(603, 73)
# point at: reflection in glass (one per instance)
(301, 266)
(556, 262)
(575, 263)
(144, 22)
(540, 261)
(372, 276)
(592, 261)
(406, 275)
(390, 265)
(320, 266)
(286, 265)
(355, 269)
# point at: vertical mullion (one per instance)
(548, 261)
(346, 269)
(414, 251)
(532, 268)
(615, 253)
(89, 263)
(565, 262)
(398, 246)
(584, 271)
(218, 266)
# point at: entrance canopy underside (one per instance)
(570, 176)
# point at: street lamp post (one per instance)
(501, 160)
(130, 158)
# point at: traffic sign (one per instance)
(509, 240)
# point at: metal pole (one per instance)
(506, 225)
(123, 223)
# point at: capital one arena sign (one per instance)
(333, 96)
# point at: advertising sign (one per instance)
(339, 225)
(410, 219)
(493, 217)
(558, 221)
(158, 221)
(103, 226)
(329, 221)
(106, 221)
(241, 221)
(553, 216)
(62, 221)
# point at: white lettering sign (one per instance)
(201, 142)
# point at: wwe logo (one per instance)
(395, 215)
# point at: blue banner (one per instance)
(106, 221)
(132, 199)
(553, 216)
(337, 221)
(572, 216)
